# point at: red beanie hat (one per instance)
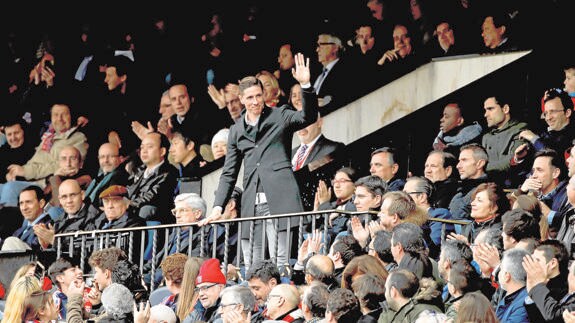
(210, 272)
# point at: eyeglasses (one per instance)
(415, 192)
(204, 288)
(340, 181)
(222, 306)
(271, 296)
(68, 196)
(71, 158)
(181, 209)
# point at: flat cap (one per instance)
(114, 191)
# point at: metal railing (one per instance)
(135, 241)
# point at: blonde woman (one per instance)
(22, 288)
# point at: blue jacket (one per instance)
(511, 308)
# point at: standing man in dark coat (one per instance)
(262, 140)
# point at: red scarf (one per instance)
(48, 139)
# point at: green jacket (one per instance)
(408, 313)
(500, 145)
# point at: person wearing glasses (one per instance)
(209, 284)
(282, 304)
(557, 112)
(108, 174)
(236, 304)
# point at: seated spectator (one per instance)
(19, 147)
(209, 284)
(385, 164)
(161, 313)
(518, 225)
(408, 249)
(273, 96)
(447, 40)
(452, 252)
(228, 97)
(151, 186)
(39, 307)
(32, 202)
(173, 270)
(116, 214)
(454, 133)
(286, 62)
(531, 204)
(402, 58)
(186, 118)
(475, 307)
(341, 252)
(282, 304)
(342, 306)
(370, 292)
(70, 166)
(396, 208)
(380, 248)
(471, 167)
(103, 262)
(109, 174)
(314, 302)
(189, 208)
(189, 163)
(440, 170)
(361, 265)
(237, 302)
(400, 288)
(262, 277)
(188, 299)
(463, 279)
(512, 276)
(547, 304)
(320, 268)
(557, 112)
(219, 143)
(343, 188)
(421, 189)
(63, 274)
(495, 31)
(23, 288)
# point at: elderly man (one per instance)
(236, 301)
(384, 163)
(116, 215)
(512, 278)
(209, 284)
(283, 303)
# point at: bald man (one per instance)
(78, 216)
(108, 174)
(283, 303)
(320, 268)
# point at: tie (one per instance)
(107, 225)
(300, 157)
(319, 80)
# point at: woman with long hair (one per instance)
(362, 265)
(188, 300)
(22, 288)
(475, 307)
(39, 307)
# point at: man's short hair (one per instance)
(447, 158)
(557, 160)
(370, 291)
(519, 224)
(173, 267)
(343, 305)
(348, 248)
(264, 271)
(422, 185)
(492, 236)
(401, 204)
(405, 282)
(555, 249)
(315, 298)
(117, 300)
(455, 251)
(248, 82)
(464, 278)
(122, 64)
(391, 153)
(192, 200)
(512, 264)
(373, 184)
(410, 236)
(58, 267)
(562, 95)
(106, 258)
(241, 294)
(478, 152)
(382, 246)
(187, 137)
(39, 192)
